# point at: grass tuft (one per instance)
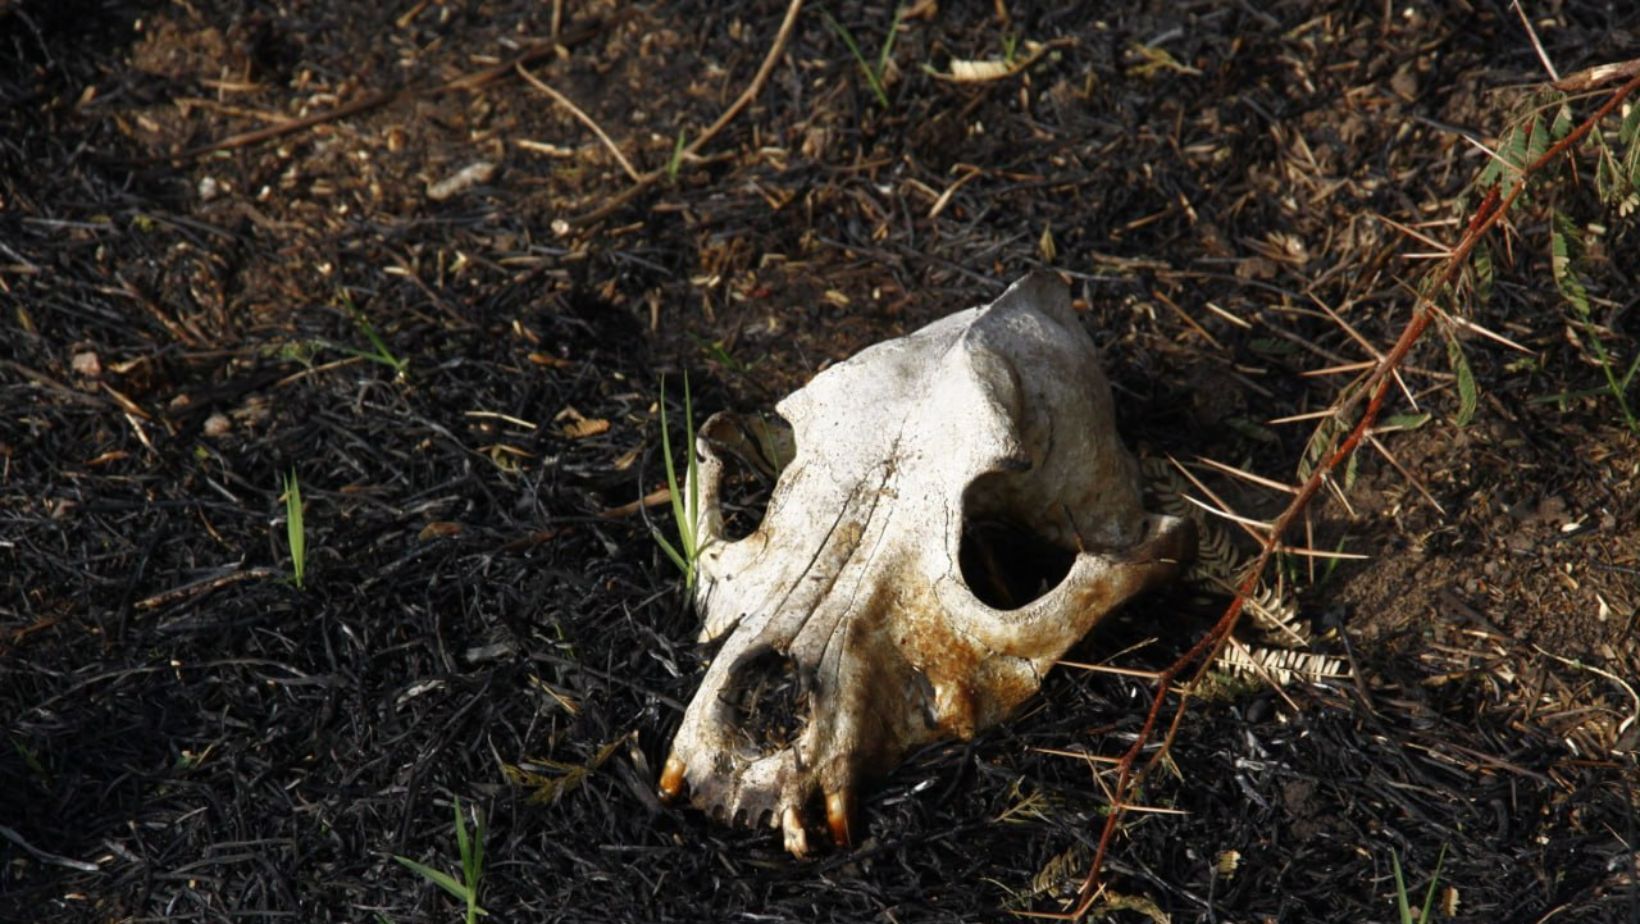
(685, 511)
(471, 848)
(874, 73)
(1402, 907)
(379, 352)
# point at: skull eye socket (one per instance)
(754, 449)
(769, 696)
(1005, 563)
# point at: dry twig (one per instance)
(581, 117)
(377, 100)
(619, 200)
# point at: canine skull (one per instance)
(958, 511)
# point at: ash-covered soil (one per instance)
(355, 243)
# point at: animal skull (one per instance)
(892, 594)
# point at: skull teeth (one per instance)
(839, 812)
(952, 511)
(795, 832)
(672, 783)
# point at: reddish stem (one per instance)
(1487, 215)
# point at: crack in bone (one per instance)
(849, 630)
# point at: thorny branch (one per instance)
(1491, 210)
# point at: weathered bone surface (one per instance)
(958, 512)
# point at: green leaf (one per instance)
(1485, 274)
(1538, 144)
(873, 77)
(464, 845)
(1429, 896)
(1322, 440)
(295, 534)
(1468, 394)
(443, 880)
(1564, 248)
(1606, 183)
(888, 45)
(1490, 175)
(1629, 132)
(1404, 422)
(475, 870)
(1513, 150)
(380, 351)
(1401, 906)
(676, 160)
(671, 551)
(1563, 122)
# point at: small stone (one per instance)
(87, 364)
(217, 425)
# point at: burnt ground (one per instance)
(190, 736)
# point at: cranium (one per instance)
(958, 512)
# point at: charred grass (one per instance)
(463, 387)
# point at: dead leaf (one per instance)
(627, 460)
(654, 498)
(578, 426)
(965, 71)
(439, 529)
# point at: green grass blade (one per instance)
(464, 844)
(1429, 896)
(685, 510)
(1401, 905)
(888, 46)
(295, 534)
(872, 79)
(692, 508)
(671, 551)
(1629, 375)
(380, 352)
(676, 161)
(443, 880)
(477, 870)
